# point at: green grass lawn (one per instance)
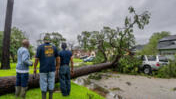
(77, 92)
(77, 60)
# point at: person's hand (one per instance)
(72, 72)
(56, 73)
(57, 70)
(35, 71)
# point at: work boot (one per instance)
(17, 91)
(43, 95)
(23, 92)
(50, 94)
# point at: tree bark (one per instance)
(7, 84)
(5, 62)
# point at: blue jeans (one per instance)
(47, 81)
(64, 78)
(22, 79)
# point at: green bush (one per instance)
(128, 65)
(99, 58)
(168, 71)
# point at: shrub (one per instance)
(99, 58)
(167, 71)
(128, 65)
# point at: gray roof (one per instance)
(169, 47)
(166, 45)
(168, 38)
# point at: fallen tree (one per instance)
(7, 84)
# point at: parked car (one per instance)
(84, 57)
(89, 59)
(152, 62)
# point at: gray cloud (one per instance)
(71, 17)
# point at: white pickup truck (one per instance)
(152, 62)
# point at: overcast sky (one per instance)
(71, 17)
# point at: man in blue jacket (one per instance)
(47, 54)
(65, 57)
(22, 69)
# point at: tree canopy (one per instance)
(114, 42)
(17, 36)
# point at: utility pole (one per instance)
(5, 62)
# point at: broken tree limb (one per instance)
(7, 84)
(90, 69)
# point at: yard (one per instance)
(77, 92)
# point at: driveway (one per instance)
(139, 87)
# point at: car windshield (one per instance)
(163, 59)
(151, 58)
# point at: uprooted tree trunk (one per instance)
(7, 84)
